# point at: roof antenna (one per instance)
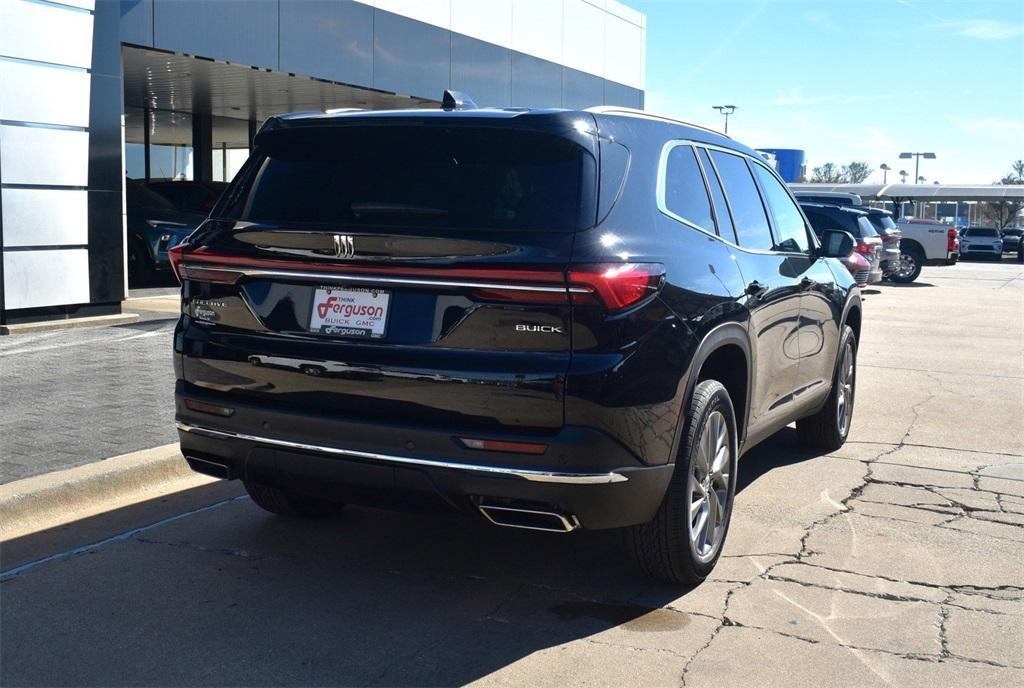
(457, 100)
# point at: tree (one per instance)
(856, 172)
(1004, 213)
(827, 174)
(830, 173)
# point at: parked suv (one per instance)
(890, 235)
(981, 242)
(857, 223)
(550, 319)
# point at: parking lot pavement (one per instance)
(896, 560)
(71, 397)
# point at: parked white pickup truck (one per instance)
(924, 242)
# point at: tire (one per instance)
(913, 256)
(828, 428)
(289, 504)
(140, 266)
(673, 547)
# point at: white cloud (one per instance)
(989, 30)
(796, 97)
(995, 126)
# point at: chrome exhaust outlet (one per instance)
(529, 519)
(207, 467)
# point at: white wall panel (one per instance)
(46, 278)
(36, 155)
(583, 36)
(47, 33)
(625, 12)
(537, 28)
(623, 52)
(435, 12)
(45, 217)
(489, 21)
(48, 95)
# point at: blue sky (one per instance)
(849, 79)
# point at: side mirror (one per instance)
(835, 243)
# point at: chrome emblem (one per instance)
(344, 246)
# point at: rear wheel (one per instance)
(911, 260)
(284, 503)
(683, 542)
(828, 428)
(140, 267)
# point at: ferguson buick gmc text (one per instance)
(550, 319)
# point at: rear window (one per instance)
(881, 222)
(983, 232)
(484, 178)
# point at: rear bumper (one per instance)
(583, 473)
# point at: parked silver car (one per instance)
(981, 242)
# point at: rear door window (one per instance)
(459, 177)
(790, 228)
(748, 215)
(725, 226)
(685, 195)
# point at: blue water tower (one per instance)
(789, 162)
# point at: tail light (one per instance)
(952, 241)
(617, 285)
(175, 254)
(863, 248)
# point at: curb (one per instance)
(69, 323)
(53, 499)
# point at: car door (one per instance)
(817, 331)
(772, 296)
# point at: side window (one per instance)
(751, 223)
(790, 230)
(685, 193)
(725, 228)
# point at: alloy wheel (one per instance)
(708, 488)
(907, 266)
(844, 396)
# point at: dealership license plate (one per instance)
(360, 313)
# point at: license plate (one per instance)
(359, 313)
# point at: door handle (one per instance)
(756, 289)
(807, 283)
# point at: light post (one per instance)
(917, 161)
(885, 172)
(903, 176)
(726, 110)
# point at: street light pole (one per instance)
(726, 110)
(917, 162)
(885, 172)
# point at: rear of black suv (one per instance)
(386, 310)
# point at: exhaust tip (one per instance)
(211, 468)
(529, 519)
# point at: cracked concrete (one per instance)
(898, 560)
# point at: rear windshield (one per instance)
(420, 176)
(881, 222)
(865, 226)
(983, 232)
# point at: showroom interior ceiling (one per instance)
(171, 81)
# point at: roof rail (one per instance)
(338, 111)
(612, 109)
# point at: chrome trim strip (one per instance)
(524, 473)
(569, 523)
(335, 277)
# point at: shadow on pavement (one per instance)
(230, 595)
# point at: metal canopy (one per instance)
(923, 192)
(171, 81)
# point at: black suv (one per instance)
(551, 319)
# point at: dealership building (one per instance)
(96, 91)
